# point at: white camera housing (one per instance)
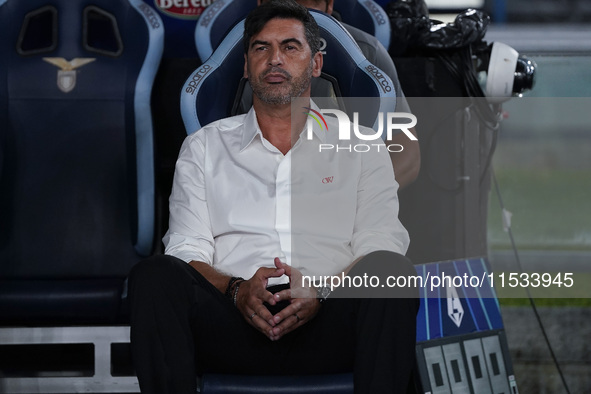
(501, 73)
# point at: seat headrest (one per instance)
(209, 93)
(217, 20)
(179, 19)
(366, 15)
(222, 15)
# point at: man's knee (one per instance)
(391, 275)
(153, 270)
(384, 263)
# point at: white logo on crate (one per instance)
(455, 311)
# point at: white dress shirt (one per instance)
(237, 202)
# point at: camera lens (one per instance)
(524, 75)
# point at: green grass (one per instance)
(551, 209)
(547, 302)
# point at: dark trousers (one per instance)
(182, 326)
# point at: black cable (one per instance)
(531, 300)
(493, 146)
(426, 160)
(461, 68)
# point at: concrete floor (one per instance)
(569, 331)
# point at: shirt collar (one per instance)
(318, 127)
(252, 129)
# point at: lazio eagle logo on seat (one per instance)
(66, 76)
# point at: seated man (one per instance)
(223, 297)
(407, 162)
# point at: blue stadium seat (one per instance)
(76, 155)
(210, 94)
(221, 16)
(309, 384)
(179, 19)
(217, 21)
(366, 15)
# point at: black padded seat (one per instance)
(76, 154)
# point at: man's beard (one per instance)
(280, 93)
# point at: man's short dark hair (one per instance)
(283, 9)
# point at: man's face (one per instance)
(279, 64)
